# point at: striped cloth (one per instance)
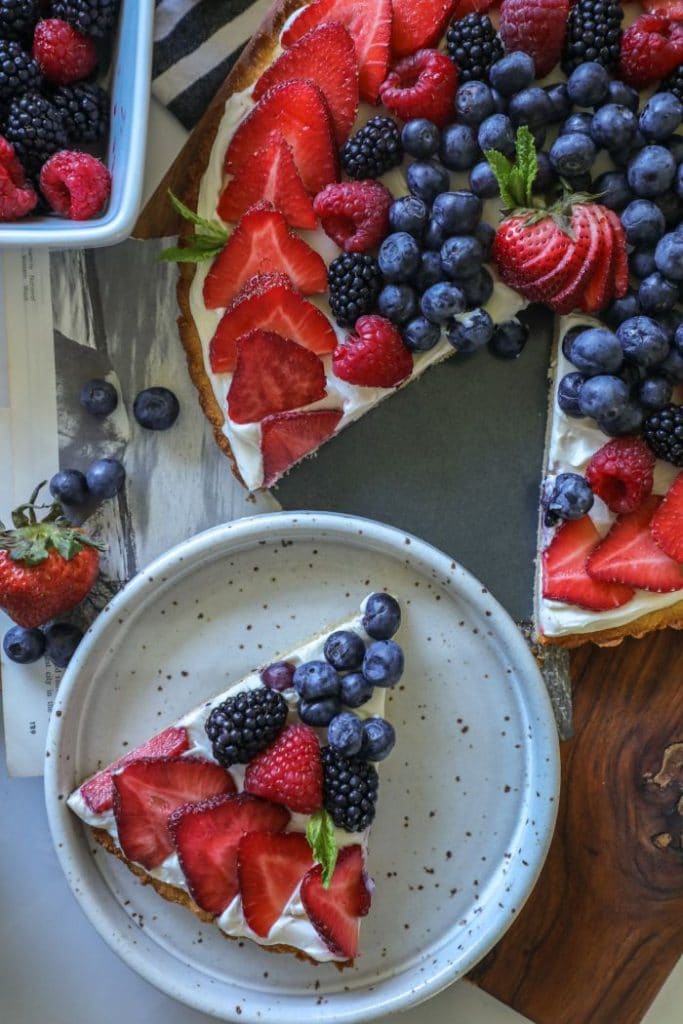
(196, 42)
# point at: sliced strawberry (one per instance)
(336, 912)
(261, 244)
(629, 554)
(599, 284)
(289, 771)
(270, 865)
(207, 836)
(289, 436)
(269, 302)
(272, 176)
(272, 374)
(416, 25)
(619, 255)
(564, 570)
(587, 246)
(98, 792)
(147, 792)
(299, 111)
(369, 24)
(552, 281)
(523, 254)
(326, 56)
(667, 522)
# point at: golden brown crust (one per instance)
(175, 895)
(662, 618)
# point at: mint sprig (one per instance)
(516, 180)
(322, 840)
(203, 244)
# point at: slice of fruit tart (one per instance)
(254, 809)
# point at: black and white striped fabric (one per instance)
(196, 42)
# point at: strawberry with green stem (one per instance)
(47, 566)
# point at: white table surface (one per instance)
(55, 969)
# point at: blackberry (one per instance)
(474, 45)
(374, 149)
(19, 72)
(349, 790)
(593, 34)
(85, 109)
(36, 129)
(17, 18)
(663, 433)
(244, 725)
(674, 83)
(355, 283)
(91, 17)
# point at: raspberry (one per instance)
(536, 26)
(92, 17)
(651, 49)
(17, 197)
(422, 85)
(621, 473)
(355, 214)
(63, 53)
(374, 356)
(290, 771)
(76, 185)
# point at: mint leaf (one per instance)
(527, 162)
(502, 168)
(211, 227)
(203, 245)
(323, 843)
(177, 254)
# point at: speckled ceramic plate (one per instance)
(467, 799)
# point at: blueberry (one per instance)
(420, 138)
(513, 72)
(672, 366)
(355, 689)
(461, 256)
(571, 498)
(545, 175)
(675, 147)
(612, 190)
(532, 107)
(596, 351)
(622, 309)
(459, 148)
(318, 712)
(105, 478)
(471, 331)
(568, 392)
(399, 256)
(560, 104)
(669, 256)
(496, 132)
(641, 264)
(677, 340)
(571, 155)
(383, 663)
(457, 211)
(509, 339)
(485, 234)
(474, 103)
(420, 334)
(613, 127)
(632, 374)
(23, 645)
(651, 171)
(579, 182)
(316, 680)
(643, 222)
(661, 116)
(628, 421)
(578, 123)
(156, 408)
(409, 213)
(99, 397)
(61, 641)
(345, 733)
(669, 322)
(679, 181)
(483, 181)
(429, 271)
(344, 649)
(588, 84)
(379, 737)
(278, 675)
(381, 616)
(603, 397)
(435, 235)
(70, 487)
(624, 95)
(397, 302)
(655, 392)
(643, 341)
(426, 178)
(622, 157)
(500, 102)
(442, 301)
(568, 338)
(657, 295)
(671, 205)
(477, 289)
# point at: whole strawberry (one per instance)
(46, 567)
